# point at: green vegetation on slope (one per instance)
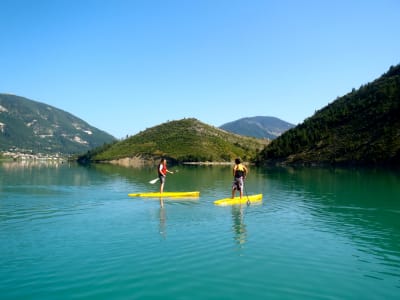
(187, 140)
(362, 127)
(31, 126)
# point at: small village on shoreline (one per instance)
(26, 156)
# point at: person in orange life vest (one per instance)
(239, 174)
(162, 173)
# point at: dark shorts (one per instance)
(162, 178)
(237, 183)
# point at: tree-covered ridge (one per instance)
(362, 127)
(186, 140)
(35, 127)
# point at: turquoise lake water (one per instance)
(71, 232)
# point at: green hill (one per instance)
(362, 127)
(34, 127)
(186, 140)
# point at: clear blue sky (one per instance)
(124, 66)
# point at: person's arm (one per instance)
(168, 171)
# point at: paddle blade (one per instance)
(153, 181)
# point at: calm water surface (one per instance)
(71, 232)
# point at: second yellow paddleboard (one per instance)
(237, 200)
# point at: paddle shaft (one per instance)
(245, 191)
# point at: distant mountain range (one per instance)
(259, 127)
(31, 126)
(360, 128)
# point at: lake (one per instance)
(72, 232)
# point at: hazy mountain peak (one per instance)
(258, 126)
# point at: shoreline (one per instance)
(206, 163)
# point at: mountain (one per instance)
(362, 127)
(31, 126)
(259, 127)
(186, 140)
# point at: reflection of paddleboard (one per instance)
(237, 200)
(166, 194)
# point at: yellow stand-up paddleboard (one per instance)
(237, 200)
(167, 195)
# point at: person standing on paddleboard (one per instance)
(239, 174)
(162, 173)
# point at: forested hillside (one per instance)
(186, 140)
(35, 127)
(362, 127)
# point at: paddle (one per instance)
(156, 179)
(248, 200)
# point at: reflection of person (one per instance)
(239, 228)
(162, 225)
(162, 173)
(239, 174)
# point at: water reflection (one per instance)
(33, 175)
(361, 205)
(323, 227)
(173, 204)
(239, 227)
(162, 228)
(27, 164)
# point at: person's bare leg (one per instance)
(161, 187)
